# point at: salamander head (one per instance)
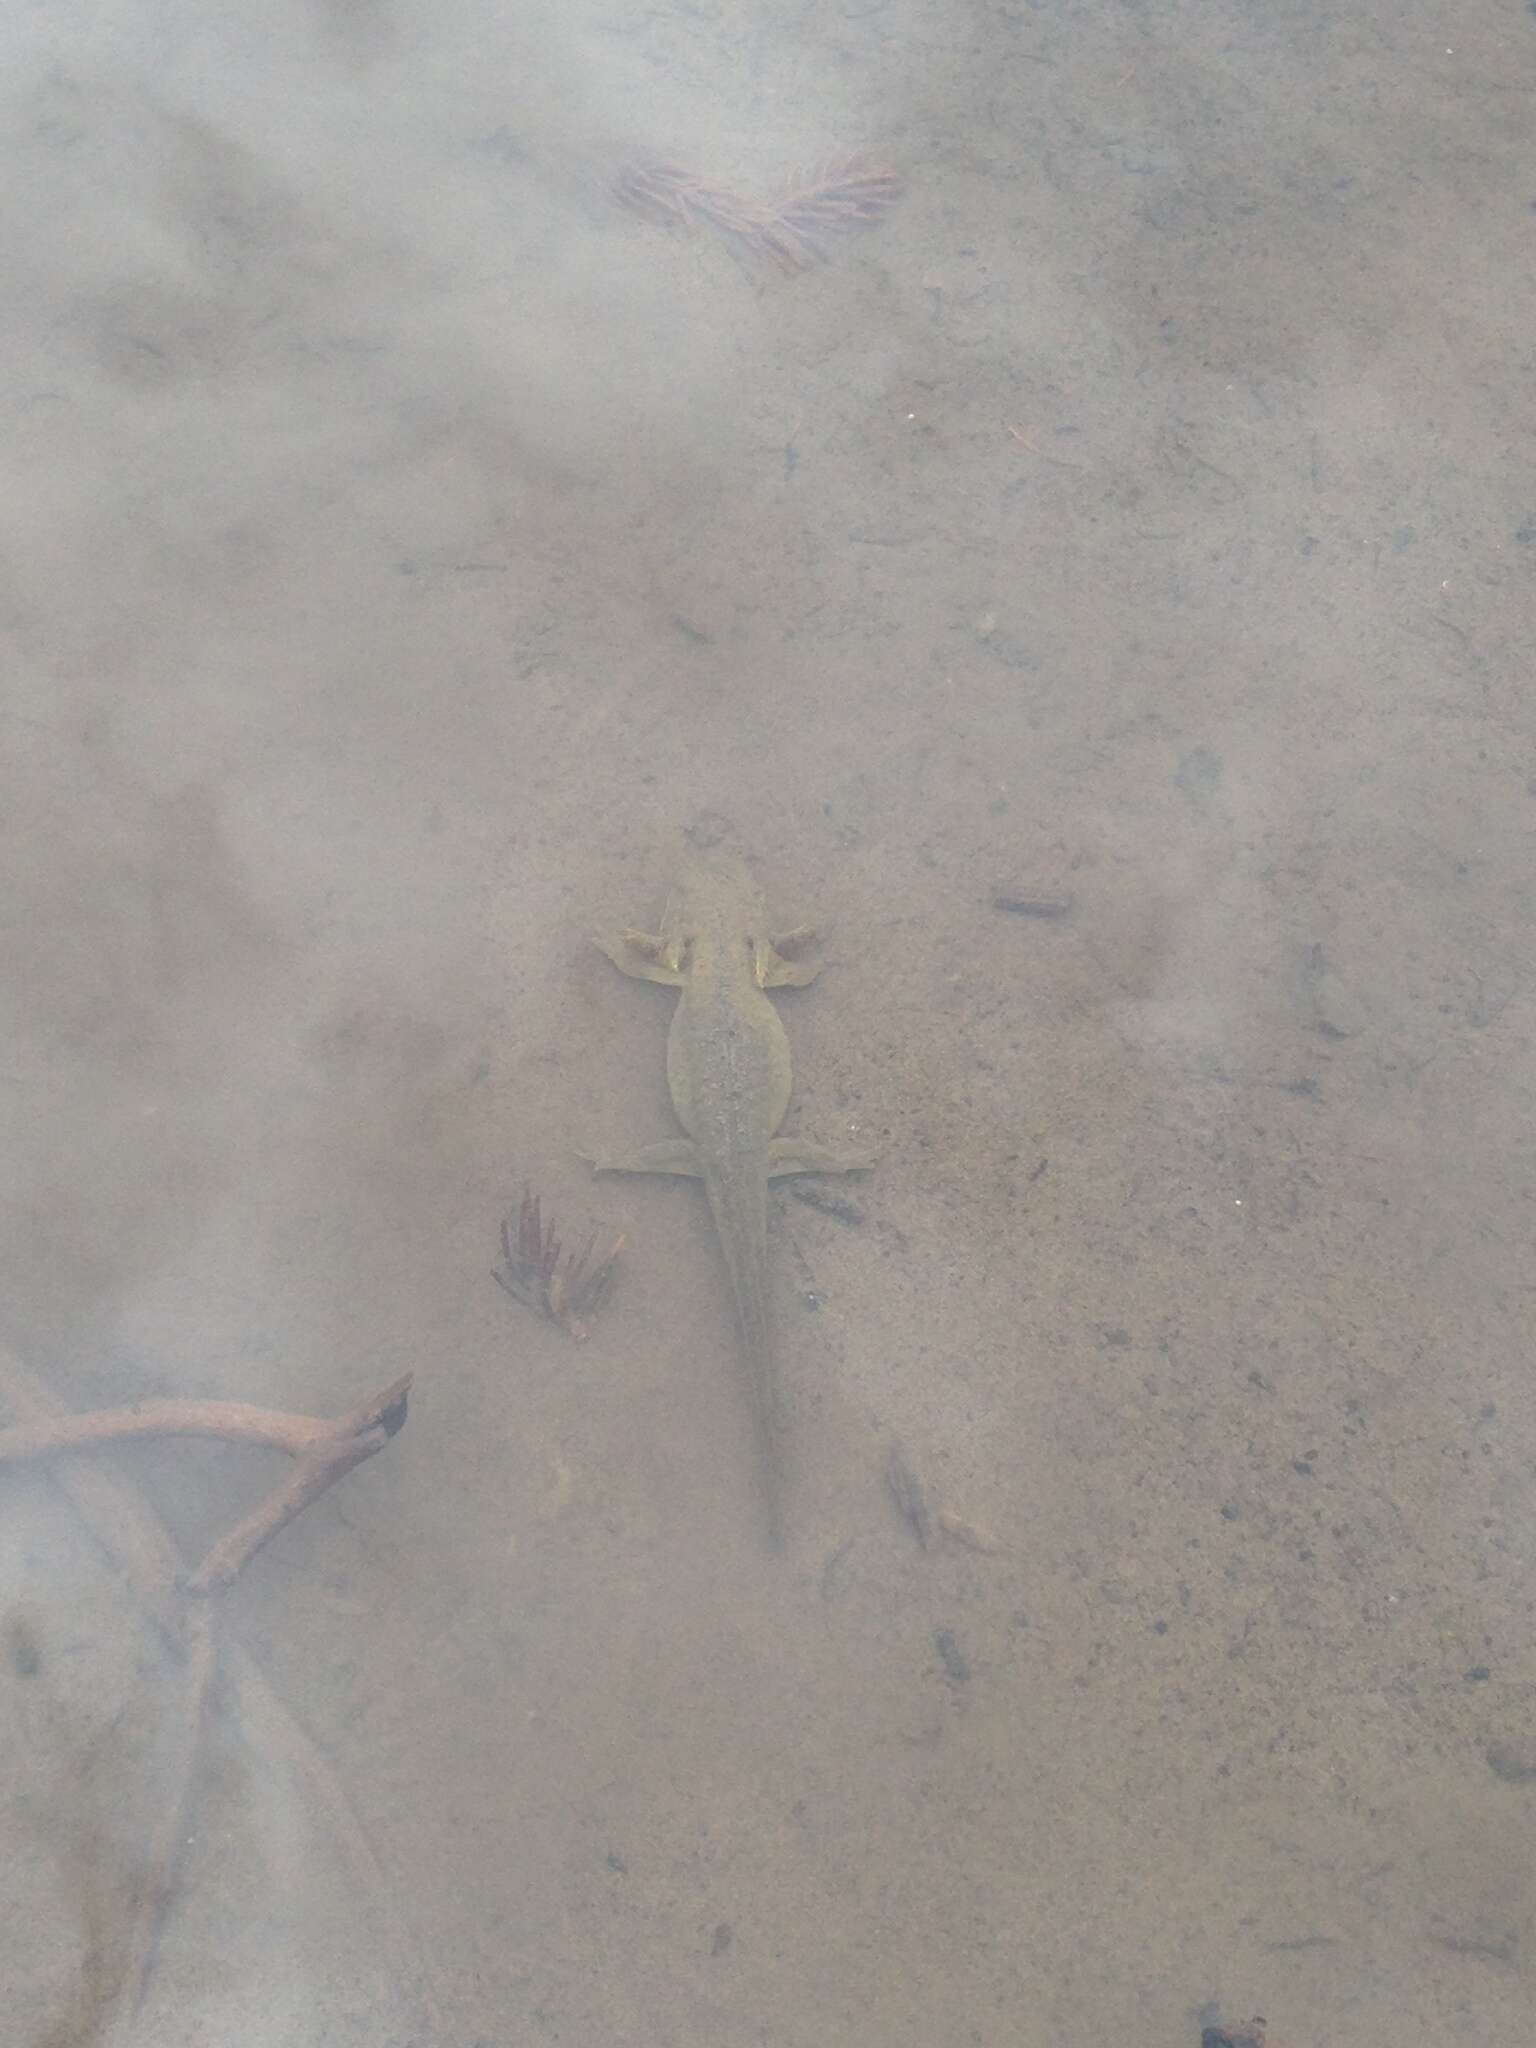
(716, 894)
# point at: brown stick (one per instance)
(308, 1480)
(130, 1532)
(138, 1544)
(386, 1409)
(233, 1421)
(278, 1732)
(158, 1882)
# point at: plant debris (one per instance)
(567, 1287)
(967, 1534)
(790, 230)
(957, 1666)
(1249, 2036)
(838, 1207)
(906, 1490)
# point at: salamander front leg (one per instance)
(643, 955)
(774, 964)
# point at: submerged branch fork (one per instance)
(323, 1452)
(315, 1472)
(181, 1607)
(235, 1422)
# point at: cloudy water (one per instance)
(985, 553)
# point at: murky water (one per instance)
(458, 463)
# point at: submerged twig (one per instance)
(157, 1884)
(313, 1474)
(790, 230)
(568, 1287)
(230, 1421)
(124, 1524)
(139, 1545)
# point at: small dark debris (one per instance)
(708, 830)
(723, 1937)
(1303, 1466)
(957, 1669)
(1478, 1675)
(690, 631)
(1501, 1950)
(1515, 1767)
(1230, 1512)
(1011, 652)
(906, 1489)
(1306, 1087)
(23, 1647)
(1116, 1340)
(616, 1862)
(1048, 909)
(831, 1571)
(825, 1203)
(506, 145)
(1198, 773)
(1159, 1628)
(1250, 2036)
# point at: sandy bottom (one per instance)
(1100, 596)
